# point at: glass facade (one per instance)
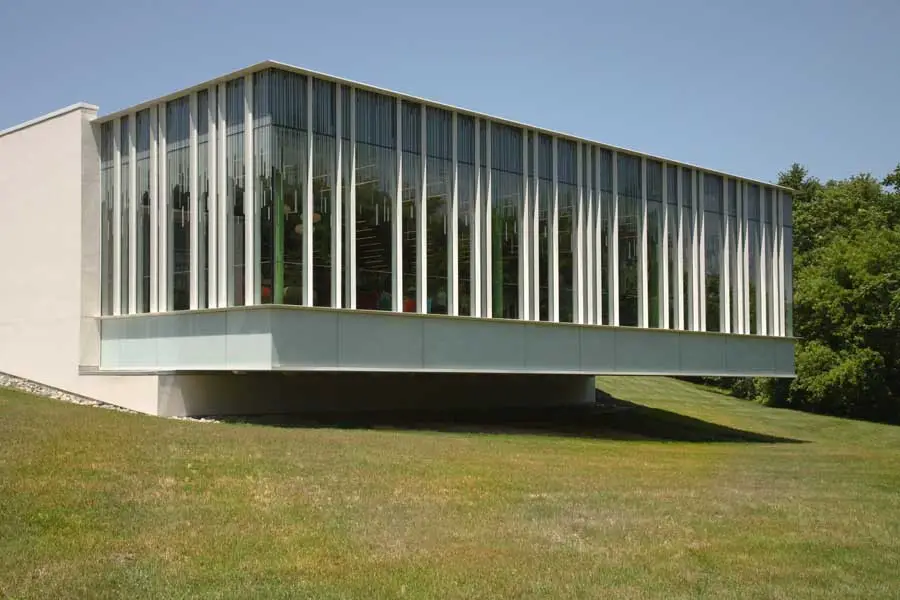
(359, 195)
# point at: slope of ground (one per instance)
(664, 490)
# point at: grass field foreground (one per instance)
(677, 493)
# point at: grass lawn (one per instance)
(675, 492)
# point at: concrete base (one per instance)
(289, 392)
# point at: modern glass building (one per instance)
(277, 220)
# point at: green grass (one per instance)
(682, 494)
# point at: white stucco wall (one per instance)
(47, 168)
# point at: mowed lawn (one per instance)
(683, 494)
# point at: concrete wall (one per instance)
(286, 392)
(49, 168)
(286, 338)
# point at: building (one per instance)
(277, 239)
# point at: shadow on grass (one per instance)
(607, 418)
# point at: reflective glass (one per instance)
(178, 174)
(465, 157)
(376, 189)
(439, 182)
(630, 208)
(712, 206)
(544, 202)
(142, 141)
(654, 241)
(107, 202)
(234, 189)
(124, 216)
(506, 204)
(324, 167)
(568, 195)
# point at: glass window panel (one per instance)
(439, 176)
(788, 281)
(107, 202)
(234, 172)
(465, 156)
(606, 207)
(545, 191)
(712, 206)
(282, 233)
(346, 184)
(125, 198)
(506, 203)
(568, 194)
(323, 188)
(672, 241)
(630, 208)
(412, 192)
(203, 188)
(654, 240)
(687, 224)
(376, 177)
(179, 200)
(142, 150)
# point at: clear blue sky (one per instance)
(745, 87)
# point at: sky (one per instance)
(743, 87)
